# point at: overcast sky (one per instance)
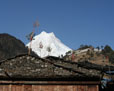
(74, 22)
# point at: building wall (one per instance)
(48, 87)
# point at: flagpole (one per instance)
(31, 38)
(29, 48)
(36, 24)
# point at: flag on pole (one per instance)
(30, 36)
(36, 24)
(73, 56)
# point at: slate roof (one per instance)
(51, 68)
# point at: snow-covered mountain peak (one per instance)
(51, 34)
(43, 33)
(47, 44)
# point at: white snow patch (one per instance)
(48, 40)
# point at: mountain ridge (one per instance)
(10, 46)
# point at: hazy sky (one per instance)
(74, 22)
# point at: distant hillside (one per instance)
(94, 55)
(10, 46)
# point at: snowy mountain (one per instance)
(46, 44)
